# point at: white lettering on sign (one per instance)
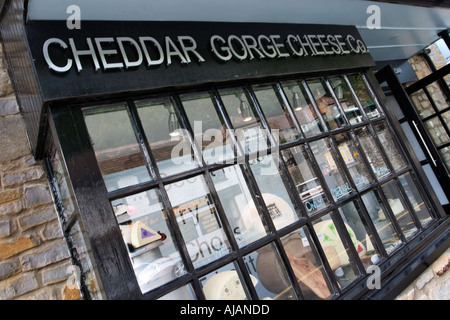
(125, 52)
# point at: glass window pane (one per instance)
(275, 112)
(326, 104)
(389, 146)
(168, 141)
(210, 132)
(413, 141)
(247, 126)
(346, 100)
(438, 96)
(382, 224)
(306, 182)
(335, 250)
(414, 197)
(445, 154)
(272, 281)
(148, 236)
(303, 108)
(244, 219)
(198, 220)
(437, 131)
(359, 233)
(373, 154)
(399, 208)
(446, 119)
(422, 104)
(183, 293)
(225, 284)
(118, 154)
(306, 264)
(361, 91)
(353, 160)
(274, 192)
(336, 180)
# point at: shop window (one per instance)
(307, 183)
(148, 236)
(307, 265)
(247, 126)
(168, 139)
(345, 98)
(238, 204)
(210, 205)
(198, 220)
(209, 130)
(381, 221)
(276, 113)
(373, 153)
(304, 110)
(269, 275)
(328, 108)
(335, 178)
(118, 153)
(437, 131)
(337, 254)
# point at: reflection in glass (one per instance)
(335, 251)
(437, 131)
(306, 182)
(210, 132)
(362, 92)
(372, 152)
(336, 180)
(147, 234)
(438, 96)
(169, 143)
(118, 154)
(414, 197)
(352, 158)
(238, 205)
(346, 100)
(389, 146)
(445, 154)
(276, 113)
(359, 233)
(246, 123)
(306, 264)
(399, 209)
(272, 281)
(183, 293)
(382, 223)
(225, 284)
(198, 220)
(274, 192)
(326, 104)
(303, 108)
(422, 104)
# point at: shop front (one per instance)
(200, 160)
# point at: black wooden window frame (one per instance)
(109, 252)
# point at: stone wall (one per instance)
(432, 284)
(34, 258)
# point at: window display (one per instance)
(208, 208)
(118, 153)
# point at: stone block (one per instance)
(52, 231)
(442, 264)
(45, 256)
(10, 208)
(9, 195)
(424, 278)
(18, 286)
(57, 274)
(8, 106)
(8, 268)
(37, 195)
(5, 228)
(19, 245)
(20, 177)
(35, 219)
(14, 141)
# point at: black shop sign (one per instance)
(105, 56)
